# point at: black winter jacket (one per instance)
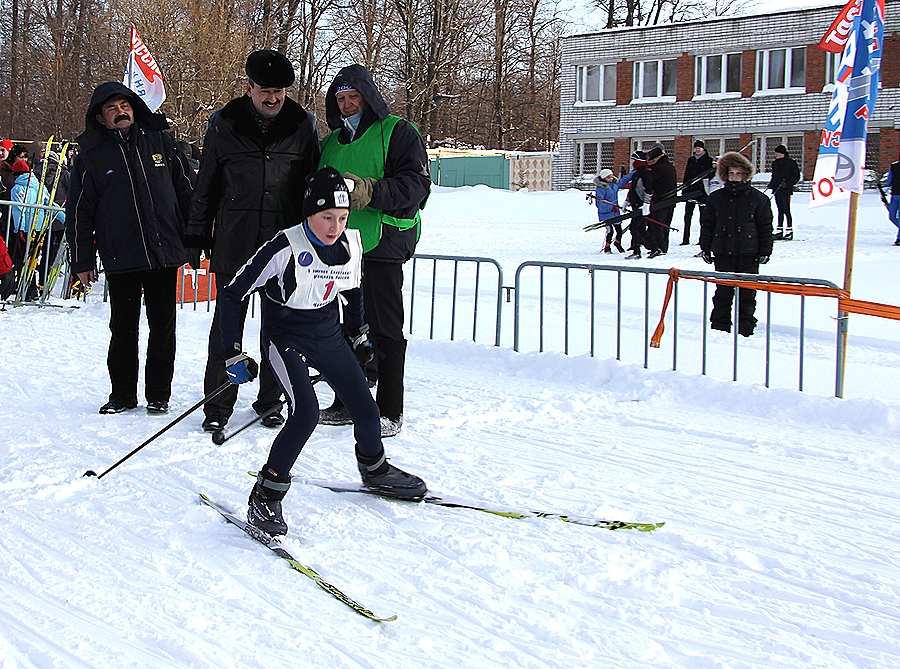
(785, 175)
(694, 168)
(665, 179)
(132, 195)
(407, 180)
(251, 184)
(736, 221)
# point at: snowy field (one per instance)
(782, 508)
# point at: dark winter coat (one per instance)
(665, 179)
(132, 195)
(640, 190)
(893, 180)
(250, 184)
(736, 221)
(407, 180)
(694, 168)
(785, 175)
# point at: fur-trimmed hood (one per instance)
(734, 159)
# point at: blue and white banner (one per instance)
(142, 74)
(842, 152)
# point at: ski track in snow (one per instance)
(779, 547)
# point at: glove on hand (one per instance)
(241, 368)
(763, 260)
(645, 209)
(707, 257)
(362, 347)
(361, 193)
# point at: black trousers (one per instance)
(689, 214)
(720, 318)
(659, 230)
(223, 404)
(383, 298)
(783, 203)
(337, 364)
(125, 290)
(382, 285)
(638, 228)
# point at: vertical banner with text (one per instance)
(858, 34)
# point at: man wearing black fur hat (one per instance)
(257, 152)
(130, 194)
(385, 157)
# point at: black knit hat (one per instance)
(325, 189)
(269, 69)
(782, 149)
(698, 144)
(655, 152)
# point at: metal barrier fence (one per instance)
(612, 310)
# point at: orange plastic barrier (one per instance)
(186, 278)
(845, 303)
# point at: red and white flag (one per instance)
(142, 74)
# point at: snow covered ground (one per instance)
(782, 508)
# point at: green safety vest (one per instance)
(365, 157)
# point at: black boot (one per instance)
(788, 234)
(384, 478)
(777, 235)
(264, 505)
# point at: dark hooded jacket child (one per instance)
(131, 195)
(404, 182)
(736, 227)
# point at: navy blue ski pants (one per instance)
(333, 358)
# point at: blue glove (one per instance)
(241, 368)
(707, 257)
(362, 347)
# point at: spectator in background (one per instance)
(785, 175)
(257, 152)
(893, 182)
(665, 183)
(385, 157)
(606, 199)
(130, 196)
(736, 234)
(639, 193)
(698, 164)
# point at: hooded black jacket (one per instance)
(736, 221)
(407, 180)
(132, 195)
(251, 184)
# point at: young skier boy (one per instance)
(300, 273)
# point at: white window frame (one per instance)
(581, 81)
(638, 72)
(832, 65)
(700, 79)
(763, 63)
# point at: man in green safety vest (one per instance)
(385, 158)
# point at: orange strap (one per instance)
(845, 303)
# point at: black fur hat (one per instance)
(270, 69)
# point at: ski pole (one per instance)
(219, 437)
(217, 391)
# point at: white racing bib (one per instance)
(318, 283)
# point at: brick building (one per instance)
(729, 81)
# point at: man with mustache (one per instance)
(129, 197)
(257, 152)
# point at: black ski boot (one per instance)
(384, 478)
(264, 505)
